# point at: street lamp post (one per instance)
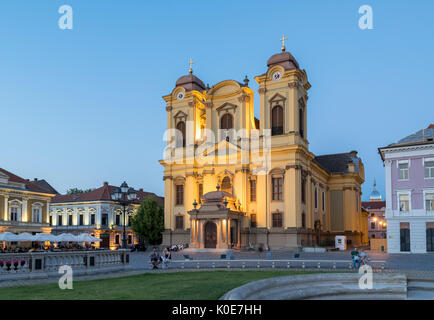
(124, 196)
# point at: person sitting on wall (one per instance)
(356, 259)
(155, 259)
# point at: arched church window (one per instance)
(181, 127)
(301, 121)
(277, 120)
(226, 185)
(226, 124)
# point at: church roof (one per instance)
(285, 59)
(190, 82)
(338, 163)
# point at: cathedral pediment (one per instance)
(222, 148)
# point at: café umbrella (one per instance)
(24, 237)
(95, 239)
(85, 237)
(8, 236)
(43, 237)
(66, 237)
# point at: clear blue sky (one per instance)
(83, 106)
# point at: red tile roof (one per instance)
(373, 204)
(102, 194)
(28, 184)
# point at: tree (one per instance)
(148, 222)
(78, 191)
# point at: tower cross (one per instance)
(283, 42)
(191, 65)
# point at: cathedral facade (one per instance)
(235, 181)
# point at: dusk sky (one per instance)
(83, 106)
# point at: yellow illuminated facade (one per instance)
(215, 198)
(24, 206)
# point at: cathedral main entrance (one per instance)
(210, 235)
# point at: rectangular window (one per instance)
(59, 220)
(179, 222)
(70, 220)
(130, 239)
(118, 220)
(403, 171)
(303, 190)
(14, 214)
(252, 190)
(35, 217)
(200, 193)
(277, 188)
(81, 220)
(180, 194)
(104, 219)
(51, 220)
(429, 201)
(277, 220)
(323, 201)
(316, 197)
(253, 223)
(117, 239)
(92, 219)
(372, 225)
(429, 169)
(404, 202)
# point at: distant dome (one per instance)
(375, 195)
(190, 82)
(285, 59)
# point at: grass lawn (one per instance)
(202, 285)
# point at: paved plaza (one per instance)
(393, 262)
(413, 265)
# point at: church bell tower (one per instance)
(283, 98)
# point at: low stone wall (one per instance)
(31, 265)
(321, 286)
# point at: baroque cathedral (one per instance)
(218, 192)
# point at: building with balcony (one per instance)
(24, 205)
(409, 166)
(94, 212)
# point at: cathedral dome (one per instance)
(285, 59)
(375, 195)
(190, 82)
